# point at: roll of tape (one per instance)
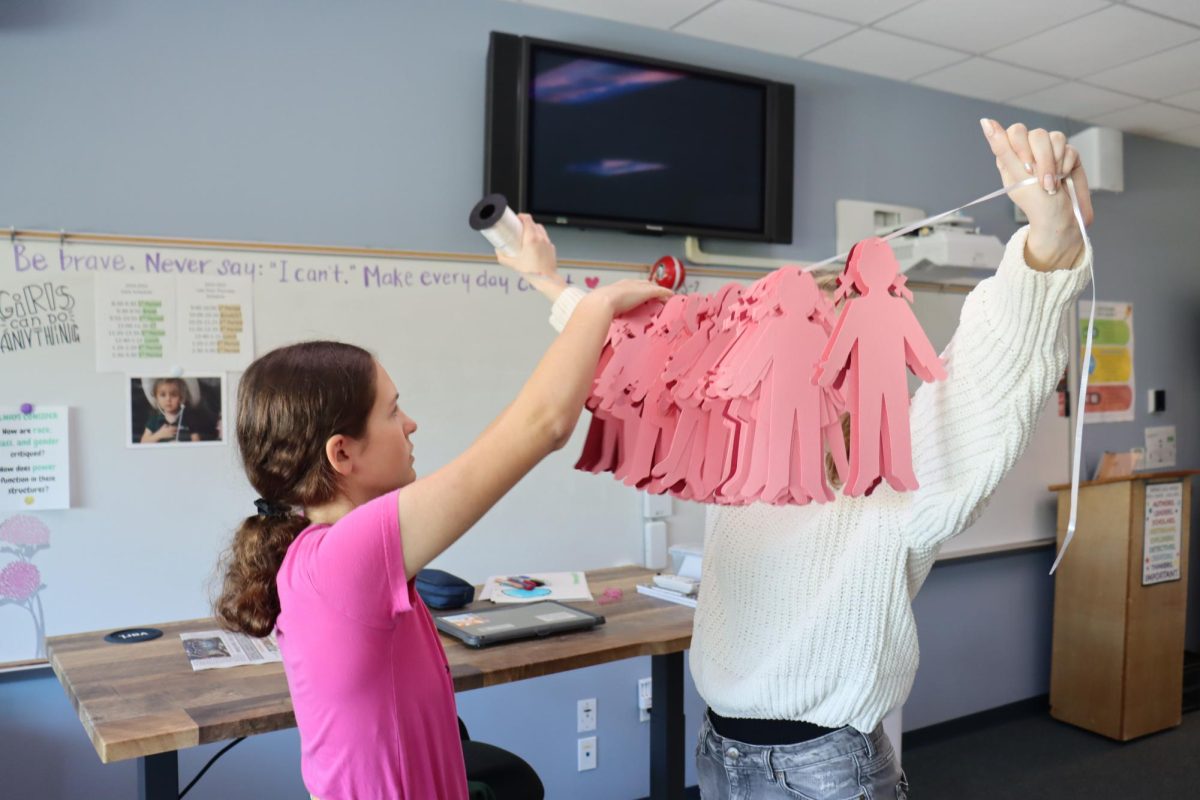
(494, 218)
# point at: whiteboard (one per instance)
(141, 541)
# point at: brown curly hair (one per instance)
(290, 401)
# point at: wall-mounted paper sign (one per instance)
(35, 461)
(1161, 545)
(149, 325)
(1110, 394)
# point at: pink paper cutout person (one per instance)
(875, 338)
(602, 450)
(600, 447)
(652, 420)
(624, 337)
(741, 410)
(610, 396)
(687, 371)
(788, 454)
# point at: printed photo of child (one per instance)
(175, 410)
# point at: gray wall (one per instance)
(361, 123)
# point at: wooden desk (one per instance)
(144, 701)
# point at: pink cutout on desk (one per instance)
(611, 595)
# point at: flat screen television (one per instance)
(595, 139)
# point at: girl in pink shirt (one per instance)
(344, 525)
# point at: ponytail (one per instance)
(290, 401)
(249, 601)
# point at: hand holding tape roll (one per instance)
(521, 244)
(495, 219)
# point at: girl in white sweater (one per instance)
(797, 690)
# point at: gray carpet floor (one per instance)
(1029, 755)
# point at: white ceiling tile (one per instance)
(1076, 100)
(1156, 76)
(651, 13)
(1149, 119)
(862, 11)
(989, 80)
(978, 26)
(1188, 136)
(1185, 10)
(1186, 100)
(760, 26)
(883, 54)
(1096, 42)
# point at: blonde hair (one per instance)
(827, 282)
(831, 472)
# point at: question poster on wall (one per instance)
(35, 466)
(1110, 390)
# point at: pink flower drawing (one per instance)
(19, 581)
(24, 530)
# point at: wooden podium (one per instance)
(1117, 659)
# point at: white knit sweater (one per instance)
(805, 612)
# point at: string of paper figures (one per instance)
(737, 396)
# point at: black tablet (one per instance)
(505, 623)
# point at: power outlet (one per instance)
(645, 699)
(586, 713)
(587, 753)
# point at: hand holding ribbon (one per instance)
(1054, 242)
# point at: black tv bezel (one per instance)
(506, 140)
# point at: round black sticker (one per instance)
(133, 635)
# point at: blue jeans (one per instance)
(843, 765)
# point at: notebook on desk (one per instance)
(507, 623)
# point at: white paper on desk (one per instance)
(560, 586)
(220, 649)
(667, 594)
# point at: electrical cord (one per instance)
(211, 761)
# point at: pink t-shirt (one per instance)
(368, 676)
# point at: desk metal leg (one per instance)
(158, 776)
(666, 727)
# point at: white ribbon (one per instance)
(1087, 349)
(1080, 399)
